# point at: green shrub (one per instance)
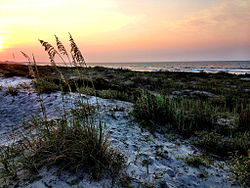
(82, 111)
(201, 115)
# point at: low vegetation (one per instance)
(75, 144)
(185, 116)
(198, 160)
(200, 119)
(12, 91)
(75, 141)
(241, 168)
(212, 109)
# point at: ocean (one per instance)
(234, 67)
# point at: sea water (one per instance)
(234, 67)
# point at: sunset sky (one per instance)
(128, 30)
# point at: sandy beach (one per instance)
(153, 158)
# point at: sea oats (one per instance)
(61, 48)
(76, 53)
(50, 49)
(31, 72)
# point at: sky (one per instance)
(128, 30)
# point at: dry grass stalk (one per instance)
(78, 58)
(31, 72)
(74, 142)
(76, 53)
(34, 61)
(52, 52)
(61, 48)
(36, 78)
(50, 49)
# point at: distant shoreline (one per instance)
(232, 67)
(133, 62)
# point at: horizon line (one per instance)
(121, 62)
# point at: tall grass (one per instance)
(77, 144)
(244, 120)
(75, 141)
(199, 119)
(185, 116)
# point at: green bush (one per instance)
(8, 167)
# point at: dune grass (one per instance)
(12, 91)
(157, 104)
(185, 116)
(200, 120)
(241, 168)
(77, 144)
(75, 141)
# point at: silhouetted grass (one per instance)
(75, 141)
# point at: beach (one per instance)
(155, 156)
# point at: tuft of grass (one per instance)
(75, 141)
(78, 144)
(12, 91)
(47, 85)
(198, 160)
(8, 165)
(221, 145)
(151, 110)
(185, 116)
